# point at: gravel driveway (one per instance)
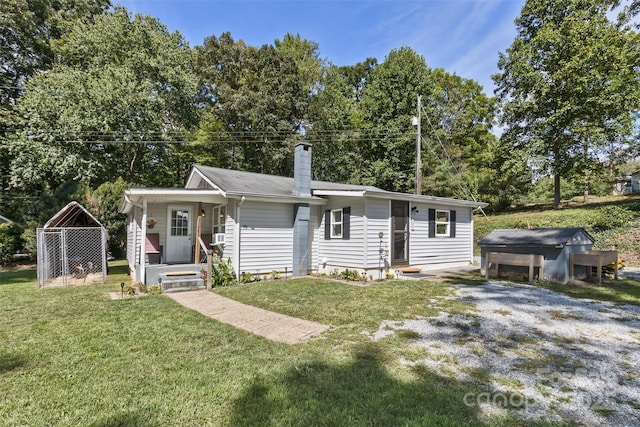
(539, 354)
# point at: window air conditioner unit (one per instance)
(218, 239)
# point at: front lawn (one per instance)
(71, 356)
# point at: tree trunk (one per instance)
(556, 190)
(585, 191)
(556, 174)
(137, 155)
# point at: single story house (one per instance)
(265, 223)
(633, 184)
(627, 184)
(555, 244)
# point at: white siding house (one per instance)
(264, 223)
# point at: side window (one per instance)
(337, 224)
(442, 223)
(219, 219)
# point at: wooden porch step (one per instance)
(410, 270)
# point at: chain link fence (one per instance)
(71, 256)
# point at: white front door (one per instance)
(178, 234)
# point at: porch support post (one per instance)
(196, 255)
(143, 241)
(471, 258)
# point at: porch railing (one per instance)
(205, 255)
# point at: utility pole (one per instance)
(419, 151)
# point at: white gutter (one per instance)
(277, 198)
(425, 199)
(345, 193)
(236, 239)
(445, 201)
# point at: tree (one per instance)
(568, 83)
(29, 31)
(10, 241)
(257, 100)
(104, 202)
(362, 131)
(460, 147)
(337, 128)
(387, 105)
(117, 102)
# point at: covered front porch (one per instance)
(173, 230)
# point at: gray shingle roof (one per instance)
(234, 181)
(250, 183)
(536, 237)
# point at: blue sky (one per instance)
(461, 36)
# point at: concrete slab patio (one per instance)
(268, 324)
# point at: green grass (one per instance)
(623, 291)
(71, 356)
(349, 309)
(16, 275)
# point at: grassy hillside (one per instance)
(613, 221)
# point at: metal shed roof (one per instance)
(73, 215)
(537, 237)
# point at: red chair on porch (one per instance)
(152, 248)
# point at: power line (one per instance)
(133, 134)
(252, 137)
(463, 186)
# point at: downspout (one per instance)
(128, 200)
(135, 236)
(143, 242)
(236, 239)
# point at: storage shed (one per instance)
(72, 248)
(554, 244)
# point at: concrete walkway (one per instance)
(274, 326)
